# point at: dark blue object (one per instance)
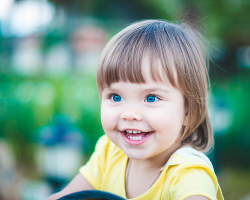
(91, 195)
(60, 131)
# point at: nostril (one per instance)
(138, 117)
(123, 116)
(132, 116)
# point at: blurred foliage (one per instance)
(27, 103)
(235, 183)
(112, 9)
(52, 38)
(223, 19)
(234, 144)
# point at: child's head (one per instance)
(183, 63)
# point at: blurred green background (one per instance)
(49, 106)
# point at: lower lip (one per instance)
(135, 142)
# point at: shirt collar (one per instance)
(188, 154)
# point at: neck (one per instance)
(155, 162)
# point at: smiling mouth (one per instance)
(135, 138)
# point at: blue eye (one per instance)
(151, 98)
(116, 98)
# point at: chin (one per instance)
(136, 154)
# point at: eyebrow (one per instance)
(110, 89)
(156, 89)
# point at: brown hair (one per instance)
(179, 49)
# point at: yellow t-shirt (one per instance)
(184, 174)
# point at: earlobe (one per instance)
(185, 121)
(186, 108)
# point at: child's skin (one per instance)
(154, 107)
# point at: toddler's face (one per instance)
(144, 120)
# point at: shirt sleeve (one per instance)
(94, 169)
(193, 180)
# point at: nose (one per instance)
(131, 116)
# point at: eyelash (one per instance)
(110, 97)
(112, 94)
(158, 98)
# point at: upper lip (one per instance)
(124, 129)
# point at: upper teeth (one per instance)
(132, 131)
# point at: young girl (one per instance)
(152, 80)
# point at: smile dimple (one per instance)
(135, 135)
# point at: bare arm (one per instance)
(196, 198)
(79, 183)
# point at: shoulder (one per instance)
(189, 154)
(194, 171)
(191, 173)
(191, 179)
(187, 161)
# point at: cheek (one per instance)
(108, 118)
(166, 120)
